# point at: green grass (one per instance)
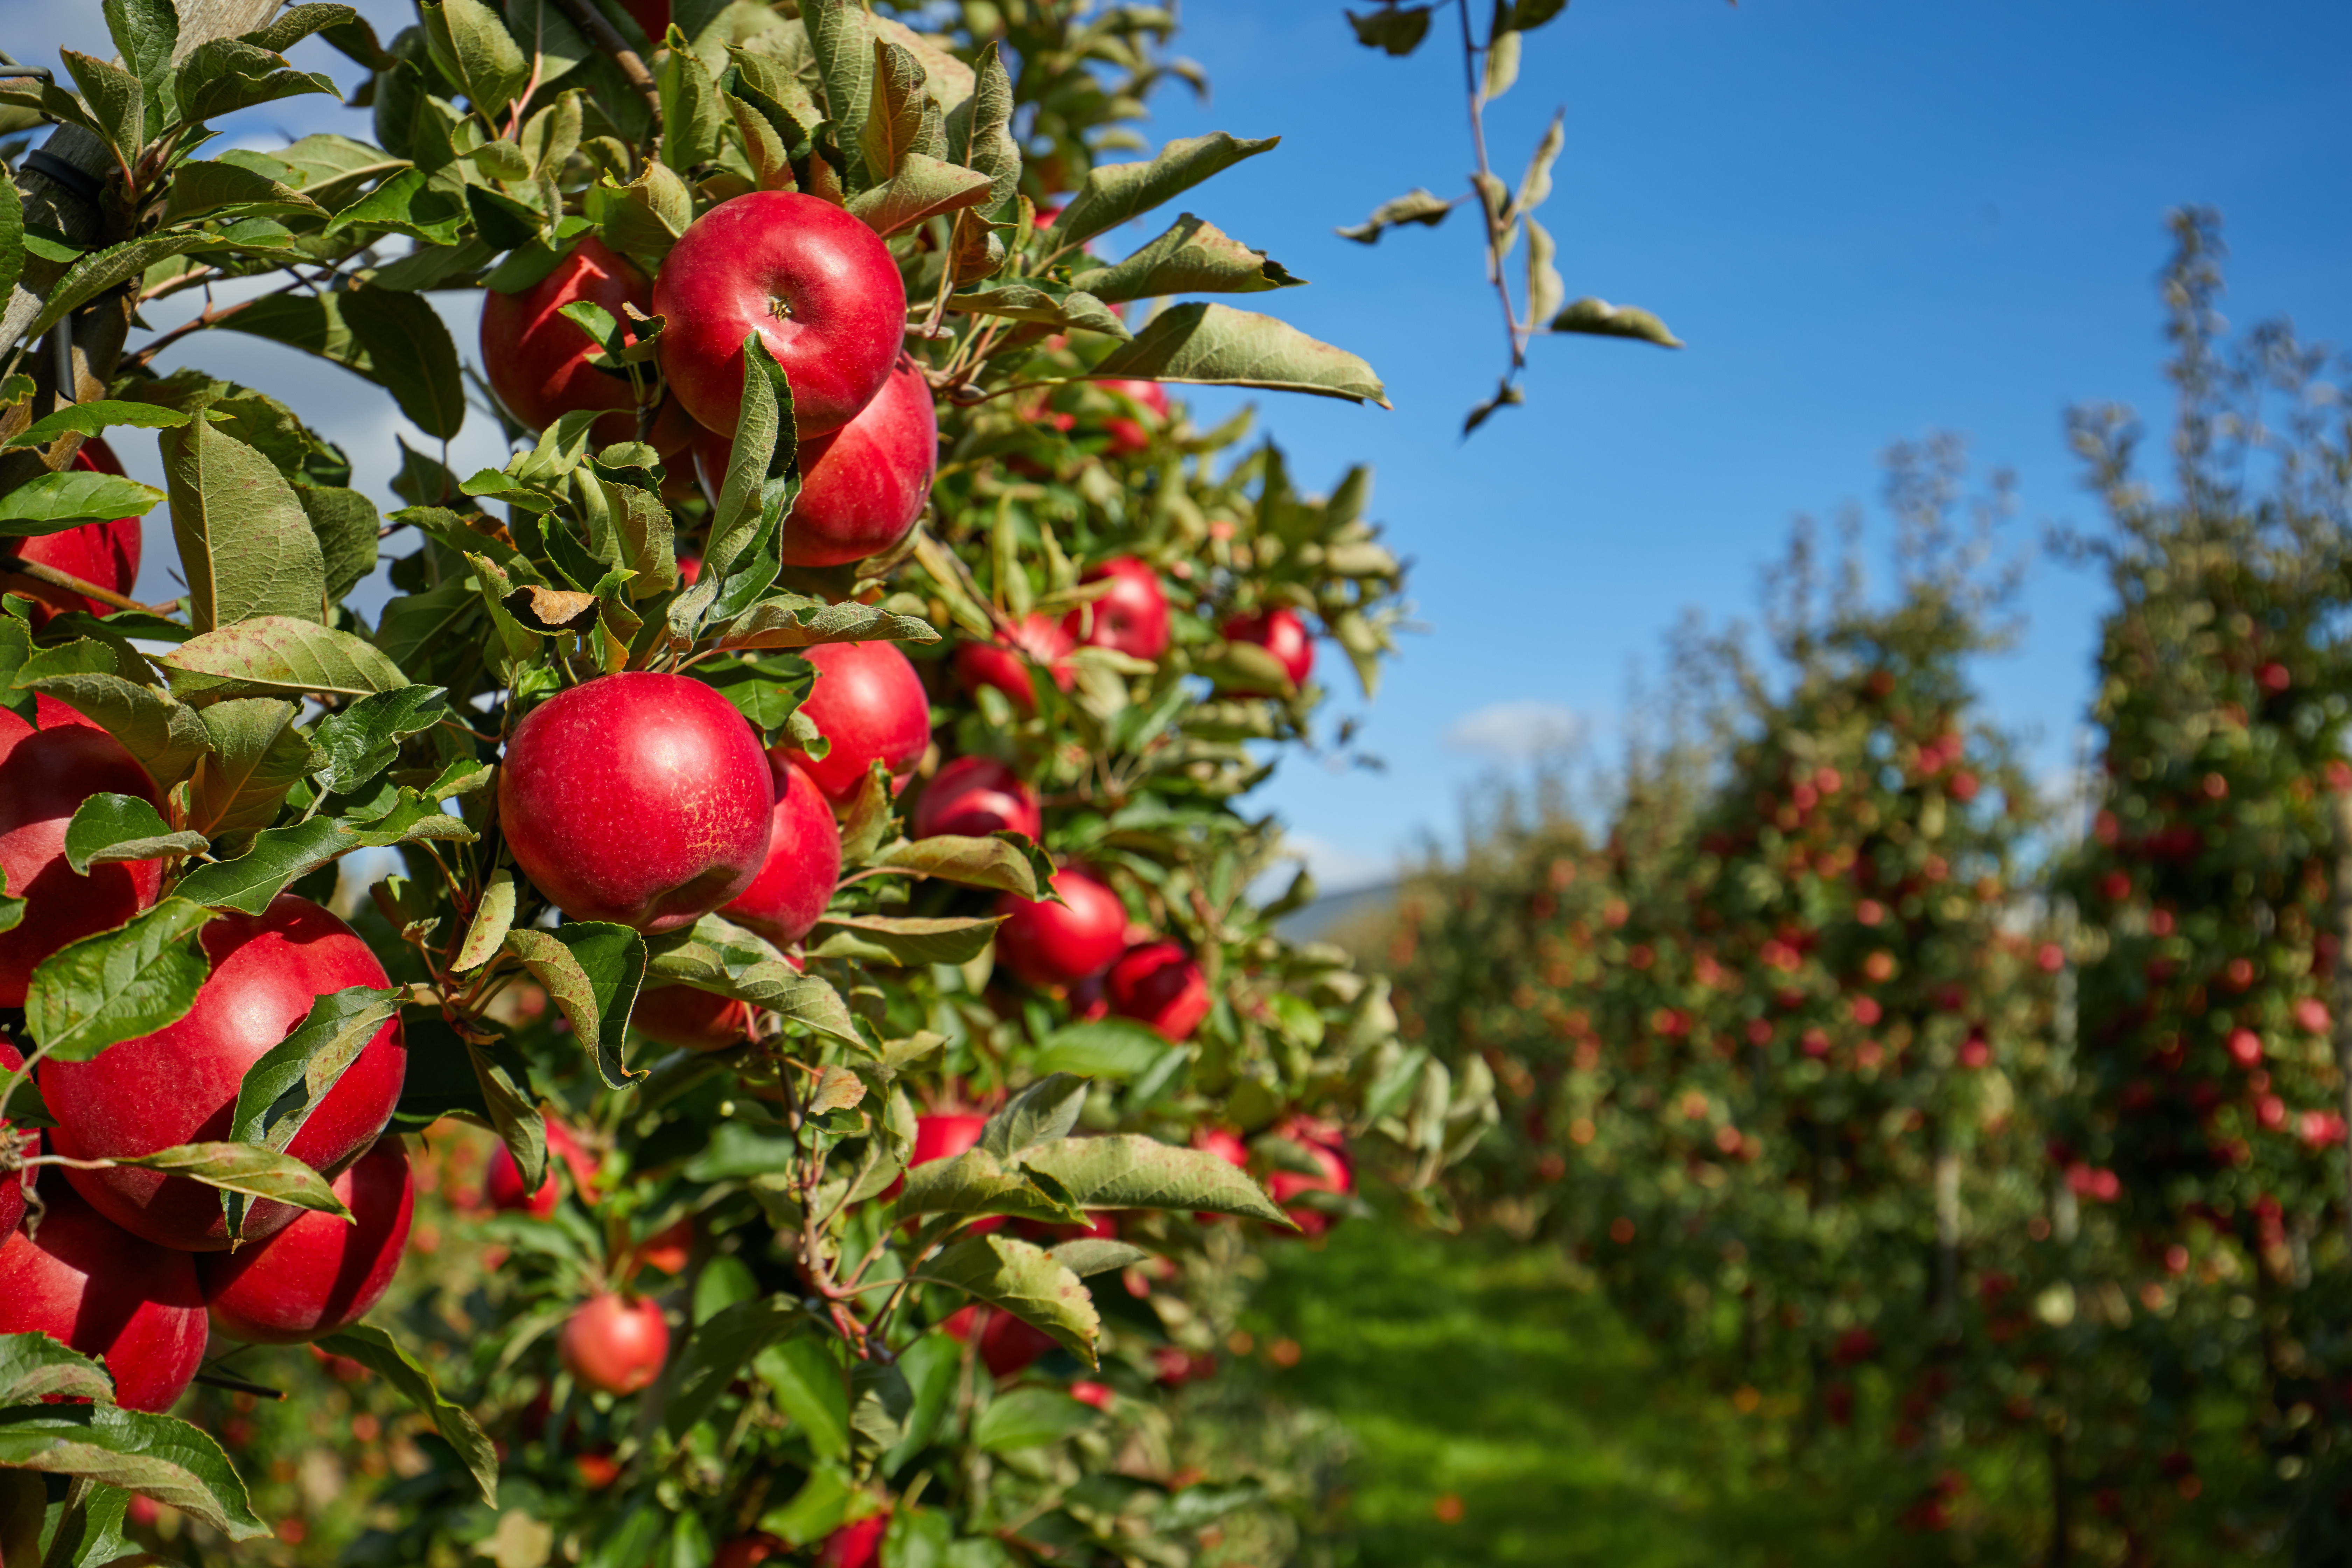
(1474, 1368)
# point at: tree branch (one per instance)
(607, 37)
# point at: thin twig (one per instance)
(1494, 274)
(41, 572)
(607, 38)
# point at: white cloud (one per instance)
(1516, 732)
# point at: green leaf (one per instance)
(1545, 290)
(593, 971)
(285, 1085)
(408, 203)
(931, 1366)
(258, 754)
(908, 941)
(471, 44)
(918, 1538)
(1535, 186)
(165, 737)
(296, 23)
(1600, 319)
(1042, 1113)
(279, 854)
(1398, 29)
(222, 75)
(203, 188)
(899, 119)
(644, 218)
(1129, 1171)
(12, 248)
(719, 1350)
(794, 620)
(380, 1354)
(841, 37)
(923, 187)
(541, 30)
(493, 918)
(1195, 257)
(1025, 1280)
(107, 828)
(1029, 1418)
(1087, 1256)
(35, 1367)
(415, 626)
(147, 32)
(1216, 345)
(692, 111)
(154, 1455)
(977, 1182)
(1046, 303)
(1101, 1047)
(1114, 193)
(245, 1169)
(119, 985)
(359, 742)
(269, 655)
(117, 100)
(1416, 205)
(992, 862)
(814, 1511)
(89, 418)
(346, 523)
(809, 1387)
(51, 503)
(245, 541)
(411, 354)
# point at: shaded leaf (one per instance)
(256, 756)
(154, 1455)
(1091, 1254)
(1398, 29)
(1129, 1171)
(244, 543)
(493, 918)
(269, 654)
(904, 941)
(1025, 1280)
(119, 985)
(719, 1348)
(380, 1354)
(51, 503)
(1217, 345)
(1195, 257)
(409, 355)
(592, 970)
(1042, 1113)
(34, 1367)
(108, 828)
(89, 418)
(1029, 1418)
(246, 1169)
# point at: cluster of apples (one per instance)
(821, 290)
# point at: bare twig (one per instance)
(41, 572)
(607, 38)
(1476, 91)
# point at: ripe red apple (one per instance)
(975, 796)
(863, 487)
(1047, 943)
(1132, 618)
(1010, 1345)
(537, 359)
(818, 286)
(319, 1274)
(179, 1084)
(804, 862)
(748, 1552)
(653, 15)
(855, 1545)
(1323, 1145)
(1156, 983)
(944, 1137)
(614, 1344)
(45, 775)
(868, 704)
(105, 1292)
(12, 1183)
(690, 1020)
(1128, 436)
(1282, 633)
(502, 1184)
(638, 798)
(1007, 666)
(106, 553)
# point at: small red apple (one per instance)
(639, 798)
(1323, 1145)
(106, 553)
(748, 1552)
(1047, 943)
(179, 1085)
(502, 1185)
(855, 1545)
(818, 286)
(614, 1344)
(319, 1274)
(1130, 437)
(868, 704)
(1010, 1345)
(1282, 633)
(1008, 666)
(1157, 984)
(668, 1248)
(863, 487)
(944, 1137)
(537, 359)
(795, 882)
(690, 1020)
(1132, 618)
(105, 1292)
(975, 796)
(44, 775)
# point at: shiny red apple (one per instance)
(869, 705)
(105, 554)
(319, 1274)
(975, 796)
(1282, 633)
(795, 882)
(818, 286)
(1009, 666)
(1047, 943)
(44, 775)
(105, 1292)
(537, 358)
(855, 1545)
(1132, 618)
(1157, 984)
(639, 798)
(615, 1343)
(179, 1084)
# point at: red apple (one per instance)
(1047, 943)
(1323, 1145)
(179, 1084)
(1132, 618)
(1282, 633)
(639, 798)
(319, 1274)
(106, 553)
(1130, 437)
(1149, 395)
(105, 1292)
(863, 487)
(1157, 984)
(502, 1185)
(1007, 666)
(614, 1344)
(804, 862)
(975, 796)
(537, 359)
(690, 1020)
(1009, 1345)
(668, 1248)
(45, 775)
(1225, 1146)
(1099, 1395)
(818, 286)
(12, 1183)
(944, 1136)
(748, 1552)
(868, 704)
(855, 1545)
(653, 15)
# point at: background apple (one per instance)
(537, 360)
(106, 553)
(640, 798)
(502, 1184)
(1132, 618)
(1282, 633)
(616, 1344)
(869, 705)
(1010, 666)
(1157, 984)
(975, 796)
(1047, 943)
(105, 1292)
(687, 1019)
(817, 285)
(44, 775)
(319, 1274)
(795, 882)
(179, 1084)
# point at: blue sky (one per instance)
(1869, 221)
